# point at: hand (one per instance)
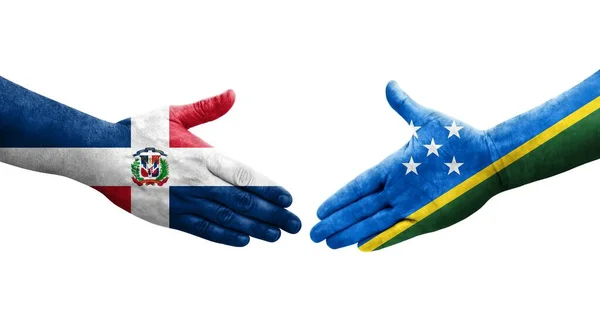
(153, 167)
(416, 190)
(231, 201)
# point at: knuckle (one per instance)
(224, 216)
(213, 160)
(242, 177)
(200, 108)
(202, 227)
(244, 201)
(201, 177)
(257, 229)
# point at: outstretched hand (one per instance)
(222, 200)
(389, 203)
(151, 165)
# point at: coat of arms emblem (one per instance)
(150, 167)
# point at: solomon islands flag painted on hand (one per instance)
(151, 165)
(448, 180)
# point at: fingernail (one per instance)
(243, 240)
(285, 200)
(273, 234)
(314, 236)
(293, 226)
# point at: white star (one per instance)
(453, 129)
(414, 129)
(411, 166)
(432, 148)
(453, 166)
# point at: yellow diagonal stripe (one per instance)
(482, 175)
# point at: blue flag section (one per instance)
(31, 120)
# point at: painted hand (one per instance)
(150, 165)
(409, 193)
(214, 196)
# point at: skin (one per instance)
(386, 194)
(208, 194)
(423, 188)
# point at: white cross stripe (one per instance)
(151, 202)
(112, 166)
(150, 130)
(98, 166)
(91, 166)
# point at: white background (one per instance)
(310, 113)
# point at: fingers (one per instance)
(191, 115)
(227, 218)
(252, 206)
(202, 228)
(241, 175)
(366, 228)
(405, 106)
(365, 184)
(347, 216)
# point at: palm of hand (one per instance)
(394, 195)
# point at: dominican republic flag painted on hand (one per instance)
(151, 165)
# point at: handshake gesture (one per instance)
(159, 171)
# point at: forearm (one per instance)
(31, 120)
(557, 136)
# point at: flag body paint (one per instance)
(173, 166)
(555, 137)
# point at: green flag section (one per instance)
(573, 141)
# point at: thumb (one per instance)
(191, 115)
(405, 106)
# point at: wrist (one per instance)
(556, 136)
